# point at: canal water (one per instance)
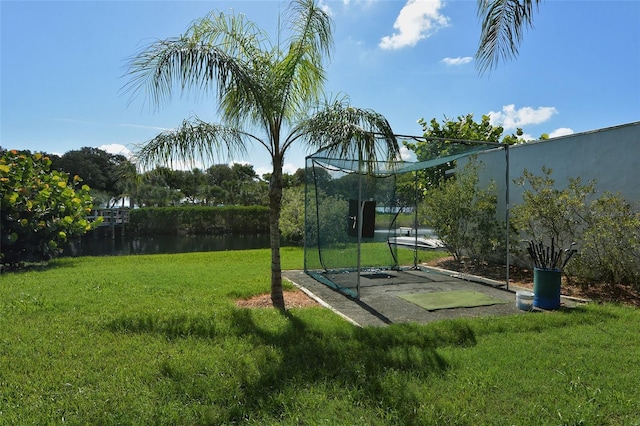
(164, 244)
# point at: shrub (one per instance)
(292, 214)
(610, 245)
(326, 219)
(40, 209)
(464, 215)
(547, 212)
(248, 220)
(606, 229)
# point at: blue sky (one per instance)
(62, 68)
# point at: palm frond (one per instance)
(242, 100)
(350, 132)
(234, 34)
(311, 26)
(503, 26)
(301, 73)
(191, 61)
(193, 142)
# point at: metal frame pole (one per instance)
(506, 155)
(359, 219)
(415, 220)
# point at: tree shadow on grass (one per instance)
(360, 360)
(268, 366)
(38, 266)
(373, 363)
(171, 327)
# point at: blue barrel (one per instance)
(546, 288)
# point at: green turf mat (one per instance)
(433, 301)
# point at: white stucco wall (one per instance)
(611, 156)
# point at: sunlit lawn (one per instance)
(158, 340)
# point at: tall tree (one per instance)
(503, 25)
(443, 140)
(98, 169)
(265, 94)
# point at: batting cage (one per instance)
(362, 222)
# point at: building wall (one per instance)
(611, 156)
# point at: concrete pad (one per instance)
(379, 305)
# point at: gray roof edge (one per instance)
(579, 134)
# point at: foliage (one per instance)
(610, 244)
(153, 190)
(443, 140)
(41, 208)
(220, 184)
(259, 85)
(249, 220)
(463, 215)
(325, 218)
(547, 212)
(292, 216)
(503, 25)
(157, 340)
(99, 169)
(606, 229)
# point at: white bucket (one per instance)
(524, 300)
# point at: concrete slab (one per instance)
(380, 305)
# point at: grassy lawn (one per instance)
(158, 340)
(375, 254)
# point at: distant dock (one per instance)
(112, 219)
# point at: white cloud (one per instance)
(457, 61)
(261, 171)
(346, 3)
(417, 20)
(512, 118)
(325, 7)
(406, 154)
(116, 149)
(527, 137)
(562, 131)
(288, 168)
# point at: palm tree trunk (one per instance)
(275, 203)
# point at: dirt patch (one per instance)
(523, 277)
(517, 276)
(292, 299)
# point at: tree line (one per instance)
(114, 181)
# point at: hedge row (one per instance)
(252, 220)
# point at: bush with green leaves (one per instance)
(610, 244)
(292, 214)
(200, 220)
(41, 208)
(548, 212)
(463, 215)
(326, 219)
(606, 229)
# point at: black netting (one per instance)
(362, 218)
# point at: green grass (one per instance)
(375, 254)
(158, 340)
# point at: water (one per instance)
(127, 245)
(165, 244)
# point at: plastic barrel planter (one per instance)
(546, 288)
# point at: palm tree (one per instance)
(503, 23)
(265, 95)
